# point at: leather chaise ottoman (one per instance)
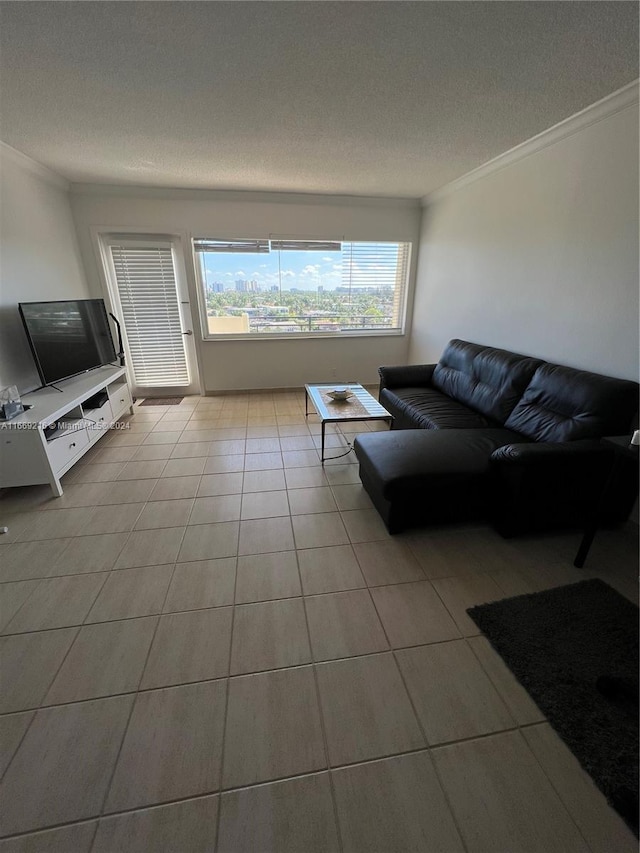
(440, 475)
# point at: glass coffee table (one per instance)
(361, 406)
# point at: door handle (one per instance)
(188, 332)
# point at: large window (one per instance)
(301, 287)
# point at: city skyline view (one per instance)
(302, 270)
(356, 265)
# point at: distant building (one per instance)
(215, 287)
(247, 286)
(358, 288)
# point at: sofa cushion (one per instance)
(403, 462)
(564, 404)
(489, 380)
(426, 408)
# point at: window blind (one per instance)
(146, 283)
(305, 245)
(376, 266)
(202, 244)
(259, 246)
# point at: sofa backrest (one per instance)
(563, 404)
(489, 380)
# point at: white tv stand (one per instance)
(40, 445)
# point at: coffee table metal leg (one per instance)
(322, 442)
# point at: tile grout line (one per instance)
(247, 675)
(177, 685)
(39, 707)
(55, 675)
(6, 633)
(323, 729)
(131, 710)
(444, 604)
(150, 565)
(218, 606)
(423, 732)
(223, 735)
(496, 690)
(495, 685)
(13, 615)
(553, 787)
(258, 518)
(262, 783)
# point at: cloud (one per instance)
(241, 272)
(328, 260)
(310, 269)
(337, 266)
(288, 274)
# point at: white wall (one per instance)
(39, 256)
(256, 364)
(541, 256)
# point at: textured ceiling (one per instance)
(365, 98)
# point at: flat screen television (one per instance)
(68, 337)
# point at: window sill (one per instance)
(292, 336)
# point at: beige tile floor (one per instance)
(211, 643)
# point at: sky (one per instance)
(304, 270)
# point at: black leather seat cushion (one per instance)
(427, 408)
(406, 462)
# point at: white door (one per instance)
(149, 293)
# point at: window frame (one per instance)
(207, 336)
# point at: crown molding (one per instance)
(614, 103)
(29, 165)
(253, 196)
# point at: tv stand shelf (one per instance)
(42, 444)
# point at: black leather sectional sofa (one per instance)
(487, 433)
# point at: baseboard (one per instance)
(297, 389)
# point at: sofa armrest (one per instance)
(547, 453)
(538, 485)
(406, 375)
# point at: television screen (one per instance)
(67, 337)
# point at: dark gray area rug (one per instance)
(575, 650)
(161, 401)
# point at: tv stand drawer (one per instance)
(120, 398)
(66, 446)
(98, 419)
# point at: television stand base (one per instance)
(42, 444)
